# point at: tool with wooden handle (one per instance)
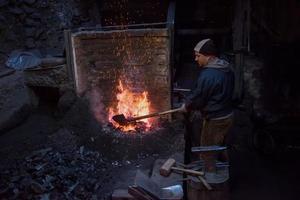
(139, 194)
(205, 183)
(122, 120)
(167, 167)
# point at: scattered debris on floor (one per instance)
(49, 174)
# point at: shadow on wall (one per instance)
(282, 80)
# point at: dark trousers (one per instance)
(214, 132)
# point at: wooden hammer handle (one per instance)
(188, 171)
(205, 183)
(137, 194)
(170, 111)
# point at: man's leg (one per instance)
(214, 133)
(221, 129)
(207, 139)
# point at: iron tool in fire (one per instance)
(122, 120)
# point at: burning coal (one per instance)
(130, 104)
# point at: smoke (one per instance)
(96, 105)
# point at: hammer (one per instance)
(166, 168)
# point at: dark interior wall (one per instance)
(204, 14)
(274, 47)
(123, 12)
(269, 67)
(206, 18)
(194, 21)
(281, 17)
(275, 40)
(281, 78)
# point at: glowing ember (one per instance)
(130, 104)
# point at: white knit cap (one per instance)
(200, 44)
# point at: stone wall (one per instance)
(140, 57)
(47, 77)
(28, 24)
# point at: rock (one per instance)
(29, 2)
(32, 23)
(17, 2)
(76, 12)
(90, 184)
(27, 9)
(34, 99)
(67, 173)
(15, 178)
(4, 191)
(16, 101)
(37, 188)
(6, 72)
(38, 33)
(51, 77)
(63, 141)
(16, 191)
(30, 44)
(30, 32)
(35, 15)
(66, 101)
(3, 3)
(2, 19)
(45, 196)
(12, 37)
(44, 3)
(39, 153)
(16, 11)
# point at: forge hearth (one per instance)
(134, 145)
(139, 58)
(140, 128)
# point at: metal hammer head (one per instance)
(207, 149)
(166, 168)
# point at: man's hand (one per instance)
(183, 108)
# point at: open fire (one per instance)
(131, 104)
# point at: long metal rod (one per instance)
(116, 27)
(181, 90)
(249, 25)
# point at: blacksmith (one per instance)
(212, 95)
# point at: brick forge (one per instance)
(138, 57)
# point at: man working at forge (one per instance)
(212, 96)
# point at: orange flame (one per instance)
(130, 104)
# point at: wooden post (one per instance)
(214, 184)
(196, 190)
(241, 41)
(69, 58)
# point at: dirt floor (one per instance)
(70, 156)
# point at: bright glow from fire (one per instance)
(130, 104)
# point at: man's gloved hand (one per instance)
(183, 108)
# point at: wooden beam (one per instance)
(211, 31)
(241, 41)
(69, 58)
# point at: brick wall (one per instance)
(141, 56)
